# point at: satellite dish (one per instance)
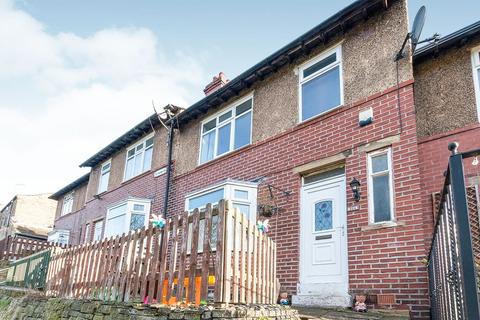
(414, 35)
(417, 27)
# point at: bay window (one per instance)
(132, 214)
(380, 186)
(243, 196)
(104, 176)
(139, 158)
(227, 131)
(321, 88)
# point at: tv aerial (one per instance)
(414, 34)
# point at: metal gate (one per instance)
(452, 267)
(29, 272)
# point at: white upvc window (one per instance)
(242, 194)
(226, 131)
(86, 237)
(380, 186)
(97, 230)
(321, 84)
(59, 236)
(476, 77)
(131, 214)
(67, 203)
(104, 176)
(139, 158)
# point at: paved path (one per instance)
(346, 314)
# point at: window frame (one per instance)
(476, 77)
(70, 197)
(130, 202)
(134, 146)
(370, 175)
(302, 80)
(231, 107)
(108, 162)
(94, 225)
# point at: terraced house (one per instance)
(321, 137)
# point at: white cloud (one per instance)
(63, 97)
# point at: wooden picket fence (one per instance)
(13, 248)
(160, 265)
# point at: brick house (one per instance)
(288, 137)
(28, 216)
(447, 101)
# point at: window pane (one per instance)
(208, 142)
(149, 142)
(241, 194)
(247, 105)
(117, 210)
(106, 167)
(381, 198)
(139, 207)
(244, 208)
(138, 164)
(115, 226)
(87, 233)
(201, 201)
(224, 139)
(209, 125)
(129, 168)
(242, 130)
(321, 93)
(380, 163)
(225, 116)
(97, 230)
(137, 221)
(320, 65)
(323, 216)
(147, 159)
(131, 152)
(104, 182)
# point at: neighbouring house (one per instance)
(331, 139)
(28, 216)
(447, 102)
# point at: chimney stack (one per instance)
(217, 82)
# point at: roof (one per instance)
(454, 39)
(339, 23)
(70, 186)
(124, 140)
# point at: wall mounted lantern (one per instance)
(355, 185)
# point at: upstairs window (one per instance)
(129, 215)
(139, 158)
(321, 87)
(67, 205)
(227, 131)
(104, 176)
(380, 186)
(87, 233)
(476, 77)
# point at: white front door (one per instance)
(323, 243)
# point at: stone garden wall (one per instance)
(16, 305)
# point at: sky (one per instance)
(74, 75)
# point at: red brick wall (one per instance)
(386, 261)
(382, 261)
(434, 154)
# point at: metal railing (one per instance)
(451, 262)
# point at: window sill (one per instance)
(383, 225)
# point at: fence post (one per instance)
(467, 263)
